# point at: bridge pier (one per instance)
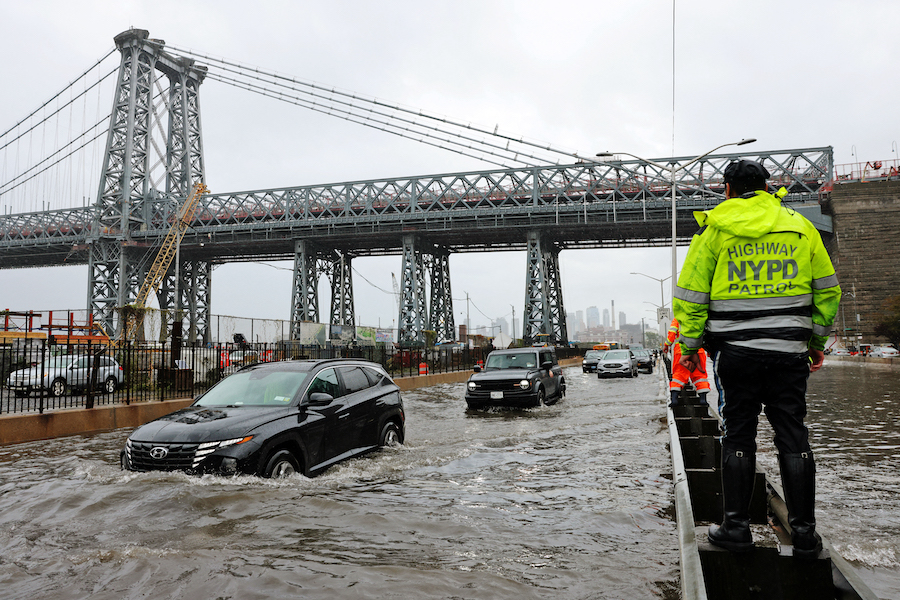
(305, 293)
(544, 311)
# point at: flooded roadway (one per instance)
(567, 501)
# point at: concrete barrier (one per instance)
(29, 427)
(894, 363)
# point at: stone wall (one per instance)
(865, 250)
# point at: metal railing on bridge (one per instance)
(607, 192)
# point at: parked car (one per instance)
(517, 377)
(617, 363)
(840, 352)
(885, 352)
(58, 373)
(589, 363)
(274, 419)
(644, 360)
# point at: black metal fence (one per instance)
(159, 372)
(145, 373)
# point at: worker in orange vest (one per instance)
(680, 373)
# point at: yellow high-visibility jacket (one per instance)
(756, 277)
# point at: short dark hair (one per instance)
(746, 176)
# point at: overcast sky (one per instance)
(589, 76)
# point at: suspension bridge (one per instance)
(148, 153)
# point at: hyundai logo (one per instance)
(158, 453)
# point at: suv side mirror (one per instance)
(320, 399)
(477, 368)
(547, 365)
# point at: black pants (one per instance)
(749, 384)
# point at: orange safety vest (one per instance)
(680, 374)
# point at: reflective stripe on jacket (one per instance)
(756, 276)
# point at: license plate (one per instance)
(496, 395)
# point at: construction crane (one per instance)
(163, 260)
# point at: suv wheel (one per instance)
(541, 397)
(390, 435)
(282, 464)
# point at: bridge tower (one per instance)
(117, 264)
(544, 311)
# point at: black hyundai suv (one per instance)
(517, 377)
(274, 419)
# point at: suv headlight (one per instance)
(207, 448)
(524, 384)
(472, 386)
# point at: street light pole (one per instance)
(662, 298)
(673, 171)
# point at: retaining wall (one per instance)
(866, 220)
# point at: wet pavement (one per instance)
(572, 500)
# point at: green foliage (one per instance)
(888, 325)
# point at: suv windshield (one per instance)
(255, 388)
(520, 360)
(616, 355)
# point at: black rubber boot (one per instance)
(674, 401)
(738, 476)
(798, 476)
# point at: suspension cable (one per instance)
(62, 91)
(368, 122)
(375, 101)
(253, 87)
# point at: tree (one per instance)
(888, 325)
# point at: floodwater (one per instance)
(567, 501)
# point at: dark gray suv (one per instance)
(517, 377)
(274, 419)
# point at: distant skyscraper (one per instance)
(593, 317)
(502, 326)
(606, 318)
(621, 320)
(612, 311)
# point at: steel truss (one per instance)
(339, 273)
(413, 315)
(115, 270)
(305, 292)
(545, 316)
(441, 305)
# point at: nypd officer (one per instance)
(759, 292)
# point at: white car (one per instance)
(67, 371)
(885, 352)
(840, 352)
